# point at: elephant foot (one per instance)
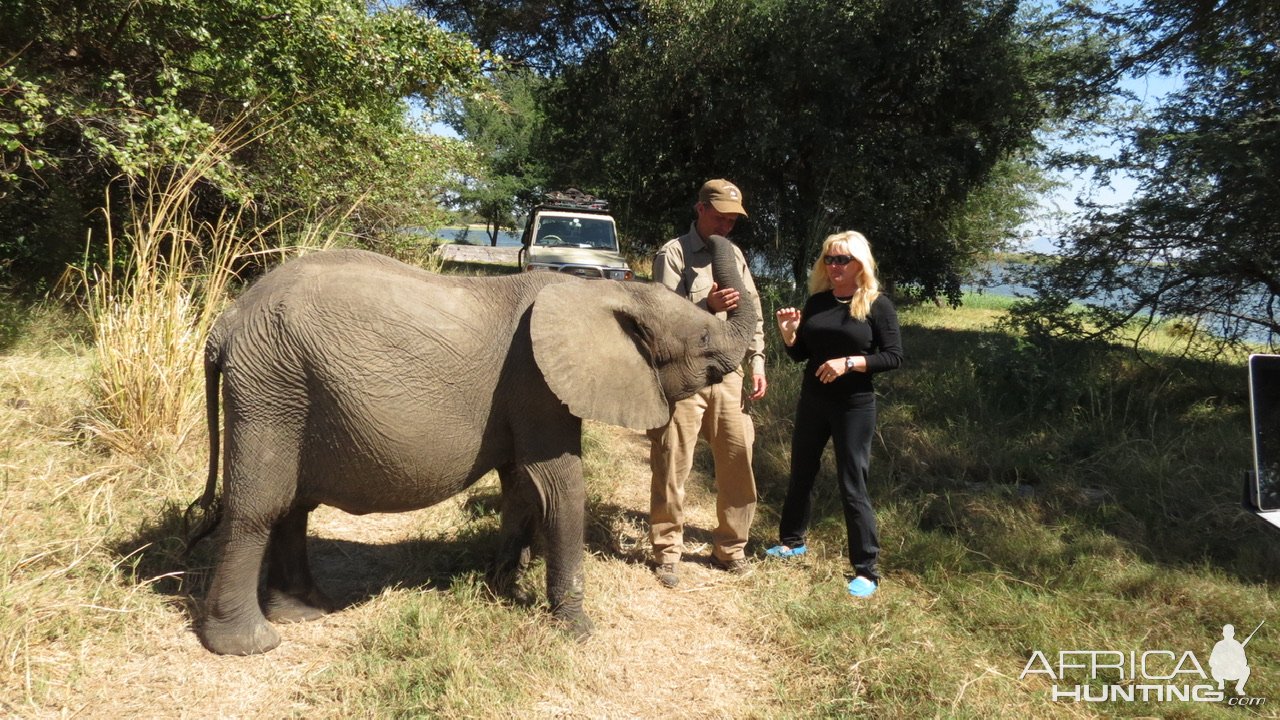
(504, 578)
(511, 588)
(232, 638)
(576, 624)
(566, 608)
(281, 607)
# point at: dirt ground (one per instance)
(655, 650)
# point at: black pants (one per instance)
(850, 423)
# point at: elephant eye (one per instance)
(706, 339)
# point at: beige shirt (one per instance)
(684, 266)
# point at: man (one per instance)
(717, 411)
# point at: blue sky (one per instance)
(1058, 207)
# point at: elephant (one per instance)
(353, 380)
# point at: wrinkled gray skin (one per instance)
(353, 380)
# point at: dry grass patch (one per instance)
(62, 501)
(96, 613)
(656, 651)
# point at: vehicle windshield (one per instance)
(580, 232)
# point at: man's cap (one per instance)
(723, 196)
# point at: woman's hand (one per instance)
(830, 370)
(835, 367)
(788, 323)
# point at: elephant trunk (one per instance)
(741, 323)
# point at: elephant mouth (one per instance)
(714, 375)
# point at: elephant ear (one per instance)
(594, 354)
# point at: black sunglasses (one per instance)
(837, 259)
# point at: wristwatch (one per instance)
(848, 363)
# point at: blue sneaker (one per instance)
(782, 551)
(861, 587)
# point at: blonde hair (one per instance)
(855, 244)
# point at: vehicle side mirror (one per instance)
(1262, 491)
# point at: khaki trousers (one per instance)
(716, 413)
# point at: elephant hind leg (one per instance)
(258, 490)
(281, 607)
(233, 623)
(291, 594)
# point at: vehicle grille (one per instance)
(585, 271)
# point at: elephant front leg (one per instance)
(521, 508)
(564, 506)
(291, 592)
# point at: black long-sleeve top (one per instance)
(827, 331)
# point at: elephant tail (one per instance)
(208, 508)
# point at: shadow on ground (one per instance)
(350, 572)
(991, 441)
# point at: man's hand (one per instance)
(758, 387)
(722, 300)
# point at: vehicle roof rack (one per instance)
(574, 199)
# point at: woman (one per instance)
(847, 332)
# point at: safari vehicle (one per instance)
(572, 232)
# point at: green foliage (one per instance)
(310, 93)
(1199, 240)
(500, 127)
(545, 35)
(1038, 370)
(844, 113)
(13, 319)
(983, 223)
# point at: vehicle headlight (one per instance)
(537, 266)
(618, 274)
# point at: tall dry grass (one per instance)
(152, 310)
(151, 313)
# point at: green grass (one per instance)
(449, 654)
(1031, 498)
(1059, 498)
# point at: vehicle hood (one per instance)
(576, 256)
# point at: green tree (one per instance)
(830, 114)
(1200, 239)
(500, 127)
(543, 35)
(94, 93)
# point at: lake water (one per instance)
(998, 280)
(477, 236)
(1003, 281)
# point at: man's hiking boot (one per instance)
(666, 573)
(738, 566)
